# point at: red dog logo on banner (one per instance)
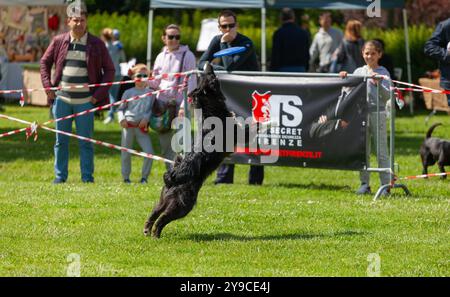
(261, 107)
(276, 109)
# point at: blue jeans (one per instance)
(113, 93)
(85, 127)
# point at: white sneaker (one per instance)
(108, 120)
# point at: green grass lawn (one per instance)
(301, 222)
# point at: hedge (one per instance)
(133, 28)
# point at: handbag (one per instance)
(162, 116)
(163, 113)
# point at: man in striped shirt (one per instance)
(79, 58)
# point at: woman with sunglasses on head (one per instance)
(134, 117)
(173, 58)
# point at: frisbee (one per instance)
(229, 51)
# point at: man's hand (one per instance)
(229, 36)
(343, 124)
(343, 74)
(143, 123)
(322, 119)
(124, 124)
(374, 80)
(93, 100)
(51, 96)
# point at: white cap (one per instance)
(76, 8)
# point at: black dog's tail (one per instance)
(430, 131)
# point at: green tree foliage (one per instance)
(133, 28)
(394, 40)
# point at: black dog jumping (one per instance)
(434, 150)
(183, 182)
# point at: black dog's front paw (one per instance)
(147, 228)
(156, 234)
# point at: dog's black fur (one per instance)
(435, 150)
(183, 182)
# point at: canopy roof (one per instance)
(349, 4)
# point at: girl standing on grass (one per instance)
(134, 117)
(372, 52)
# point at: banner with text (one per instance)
(305, 121)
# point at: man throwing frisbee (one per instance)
(242, 61)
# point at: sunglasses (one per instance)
(231, 26)
(171, 37)
(141, 75)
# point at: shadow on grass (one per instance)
(408, 145)
(313, 186)
(293, 236)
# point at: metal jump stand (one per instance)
(390, 170)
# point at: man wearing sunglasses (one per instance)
(229, 37)
(244, 61)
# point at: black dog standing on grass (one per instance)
(184, 180)
(434, 150)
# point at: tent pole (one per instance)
(408, 58)
(263, 39)
(149, 38)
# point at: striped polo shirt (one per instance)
(75, 73)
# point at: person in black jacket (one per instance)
(340, 123)
(290, 45)
(337, 117)
(244, 61)
(438, 47)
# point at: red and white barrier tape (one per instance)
(423, 90)
(22, 99)
(399, 99)
(33, 127)
(13, 132)
(413, 88)
(424, 175)
(115, 103)
(106, 84)
(182, 86)
(418, 88)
